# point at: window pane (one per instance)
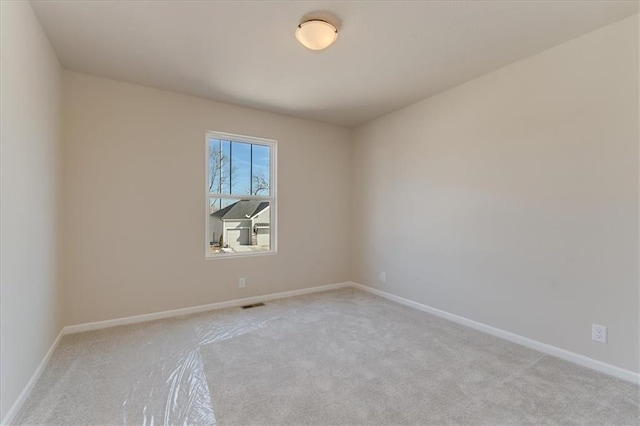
(225, 167)
(240, 168)
(239, 226)
(214, 165)
(261, 173)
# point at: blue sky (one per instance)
(246, 161)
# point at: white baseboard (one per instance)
(582, 360)
(17, 405)
(196, 309)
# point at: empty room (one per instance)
(319, 212)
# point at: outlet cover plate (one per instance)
(599, 333)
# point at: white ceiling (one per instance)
(388, 54)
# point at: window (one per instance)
(240, 195)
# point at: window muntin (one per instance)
(240, 195)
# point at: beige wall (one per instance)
(512, 199)
(30, 190)
(135, 222)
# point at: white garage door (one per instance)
(238, 237)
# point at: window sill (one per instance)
(237, 255)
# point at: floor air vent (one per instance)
(255, 305)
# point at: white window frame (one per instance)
(272, 198)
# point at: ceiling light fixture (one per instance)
(316, 34)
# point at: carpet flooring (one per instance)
(332, 358)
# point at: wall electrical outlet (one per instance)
(241, 283)
(599, 333)
(382, 276)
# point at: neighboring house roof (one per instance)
(243, 209)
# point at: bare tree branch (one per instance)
(260, 183)
(221, 175)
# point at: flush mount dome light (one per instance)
(316, 34)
